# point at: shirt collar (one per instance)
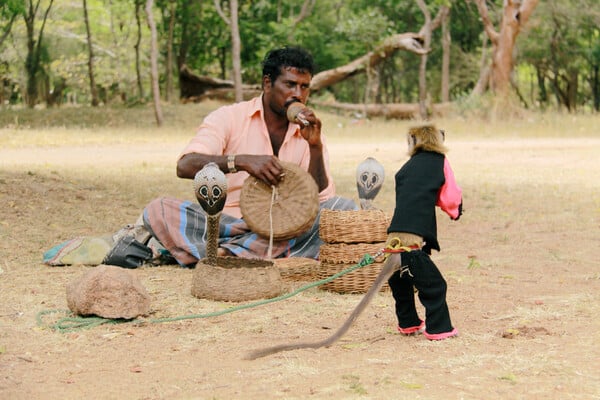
(256, 107)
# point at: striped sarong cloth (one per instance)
(180, 226)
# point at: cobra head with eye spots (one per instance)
(210, 188)
(369, 179)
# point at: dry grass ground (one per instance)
(522, 269)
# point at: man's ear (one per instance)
(266, 81)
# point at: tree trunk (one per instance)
(446, 41)
(373, 82)
(595, 83)
(236, 51)
(170, 52)
(484, 70)
(232, 22)
(93, 89)
(543, 93)
(154, 63)
(138, 69)
(572, 87)
(426, 33)
(34, 50)
(514, 17)
(406, 41)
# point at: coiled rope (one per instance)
(75, 323)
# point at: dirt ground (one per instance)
(522, 269)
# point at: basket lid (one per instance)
(286, 210)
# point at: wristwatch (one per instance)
(231, 163)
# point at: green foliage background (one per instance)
(558, 51)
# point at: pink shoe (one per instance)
(441, 336)
(412, 330)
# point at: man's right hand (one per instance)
(267, 168)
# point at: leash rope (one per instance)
(70, 323)
(273, 197)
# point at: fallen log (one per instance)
(388, 111)
(194, 87)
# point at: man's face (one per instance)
(291, 85)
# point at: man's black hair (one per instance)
(289, 56)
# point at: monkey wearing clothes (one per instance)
(425, 181)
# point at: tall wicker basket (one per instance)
(348, 236)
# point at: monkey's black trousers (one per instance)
(418, 271)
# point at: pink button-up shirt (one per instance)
(240, 129)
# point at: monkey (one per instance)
(424, 182)
(411, 236)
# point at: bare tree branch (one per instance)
(405, 41)
(442, 14)
(305, 11)
(7, 29)
(487, 23)
(525, 10)
(221, 13)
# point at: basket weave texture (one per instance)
(360, 226)
(348, 236)
(343, 253)
(294, 269)
(284, 211)
(229, 280)
(357, 281)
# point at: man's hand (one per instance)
(264, 167)
(311, 132)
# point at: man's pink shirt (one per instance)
(240, 129)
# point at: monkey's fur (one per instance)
(426, 138)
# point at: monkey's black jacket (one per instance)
(424, 181)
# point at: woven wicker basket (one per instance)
(357, 281)
(361, 226)
(343, 253)
(230, 278)
(297, 268)
(288, 212)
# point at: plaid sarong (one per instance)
(180, 226)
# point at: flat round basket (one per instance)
(286, 210)
(357, 281)
(360, 226)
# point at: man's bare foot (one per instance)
(221, 252)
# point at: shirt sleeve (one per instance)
(211, 136)
(450, 194)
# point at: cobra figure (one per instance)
(210, 188)
(369, 179)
